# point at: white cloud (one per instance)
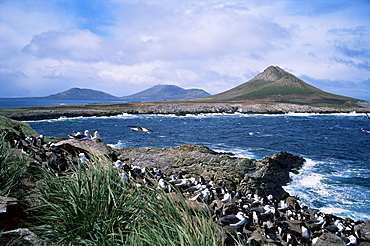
(214, 45)
(72, 44)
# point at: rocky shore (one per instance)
(177, 108)
(237, 186)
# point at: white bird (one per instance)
(227, 197)
(96, 136)
(352, 240)
(118, 164)
(83, 159)
(80, 136)
(140, 129)
(162, 185)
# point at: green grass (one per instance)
(9, 125)
(93, 205)
(13, 168)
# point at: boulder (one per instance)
(329, 239)
(87, 146)
(21, 237)
(363, 230)
(8, 210)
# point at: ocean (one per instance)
(335, 178)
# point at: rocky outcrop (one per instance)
(21, 237)
(329, 239)
(271, 174)
(89, 147)
(244, 175)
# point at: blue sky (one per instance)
(125, 46)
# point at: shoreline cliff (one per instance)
(179, 109)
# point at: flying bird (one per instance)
(140, 129)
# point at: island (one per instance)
(273, 91)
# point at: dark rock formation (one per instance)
(271, 174)
(240, 174)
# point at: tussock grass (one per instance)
(87, 205)
(162, 221)
(93, 205)
(13, 168)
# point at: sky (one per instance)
(125, 46)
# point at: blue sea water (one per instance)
(335, 178)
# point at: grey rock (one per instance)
(21, 237)
(88, 146)
(329, 239)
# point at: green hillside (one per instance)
(78, 93)
(274, 85)
(167, 92)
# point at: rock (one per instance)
(271, 174)
(244, 175)
(21, 237)
(363, 229)
(329, 239)
(88, 146)
(7, 204)
(8, 211)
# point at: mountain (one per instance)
(78, 93)
(167, 92)
(275, 85)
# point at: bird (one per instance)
(140, 129)
(118, 164)
(79, 135)
(234, 219)
(82, 158)
(162, 185)
(96, 136)
(227, 197)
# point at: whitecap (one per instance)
(118, 145)
(238, 152)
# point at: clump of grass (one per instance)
(90, 204)
(162, 221)
(13, 168)
(93, 205)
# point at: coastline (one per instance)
(263, 177)
(178, 108)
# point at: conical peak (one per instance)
(272, 73)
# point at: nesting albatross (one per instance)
(234, 219)
(80, 136)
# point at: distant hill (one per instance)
(167, 92)
(275, 85)
(77, 93)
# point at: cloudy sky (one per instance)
(125, 46)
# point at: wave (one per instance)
(238, 152)
(324, 191)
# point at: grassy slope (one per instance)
(17, 127)
(285, 89)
